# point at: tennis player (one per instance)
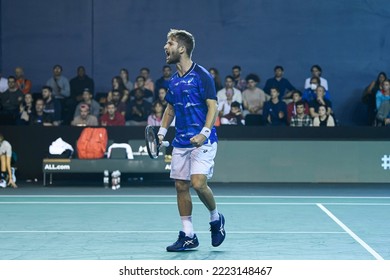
(7, 178)
(192, 101)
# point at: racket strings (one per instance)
(152, 142)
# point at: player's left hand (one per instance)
(12, 184)
(198, 140)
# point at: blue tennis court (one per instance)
(263, 221)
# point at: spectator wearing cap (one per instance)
(85, 118)
(87, 98)
(77, 85)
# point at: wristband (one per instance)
(162, 131)
(206, 132)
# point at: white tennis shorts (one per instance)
(188, 161)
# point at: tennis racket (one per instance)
(152, 142)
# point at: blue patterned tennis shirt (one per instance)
(188, 94)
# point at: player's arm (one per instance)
(9, 171)
(212, 113)
(168, 116)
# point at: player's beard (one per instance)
(173, 58)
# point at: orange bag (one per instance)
(92, 143)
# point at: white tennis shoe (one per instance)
(3, 183)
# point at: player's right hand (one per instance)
(160, 138)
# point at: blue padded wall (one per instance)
(348, 38)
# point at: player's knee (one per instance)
(198, 182)
(182, 186)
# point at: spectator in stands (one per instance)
(119, 104)
(59, 84)
(138, 109)
(292, 107)
(148, 82)
(85, 118)
(52, 106)
(300, 118)
(383, 115)
(23, 84)
(78, 84)
(229, 84)
(157, 112)
(316, 71)
(163, 81)
(112, 117)
(26, 108)
(224, 105)
(234, 117)
(275, 110)
(161, 97)
(369, 96)
(239, 83)
(278, 81)
(39, 117)
(3, 84)
(9, 102)
(140, 84)
(323, 118)
(7, 175)
(124, 74)
(310, 93)
(94, 106)
(217, 79)
(383, 94)
(61, 91)
(253, 97)
(320, 100)
(117, 84)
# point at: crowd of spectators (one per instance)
(141, 101)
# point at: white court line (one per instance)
(351, 233)
(174, 196)
(168, 231)
(195, 203)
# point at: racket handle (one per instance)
(165, 143)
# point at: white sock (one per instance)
(214, 216)
(188, 228)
